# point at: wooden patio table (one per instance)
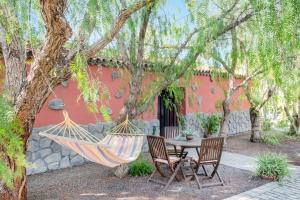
(185, 144)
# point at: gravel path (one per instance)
(92, 181)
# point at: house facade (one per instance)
(202, 95)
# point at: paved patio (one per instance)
(287, 190)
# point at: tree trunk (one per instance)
(40, 80)
(255, 125)
(225, 120)
(293, 121)
(130, 107)
(14, 58)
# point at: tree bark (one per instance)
(225, 120)
(40, 80)
(293, 121)
(255, 125)
(137, 71)
(14, 58)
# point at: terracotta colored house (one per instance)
(203, 95)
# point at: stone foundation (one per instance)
(239, 122)
(45, 155)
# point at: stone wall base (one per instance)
(45, 155)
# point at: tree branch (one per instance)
(183, 46)
(209, 39)
(123, 16)
(245, 81)
(269, 93)
(143, 29)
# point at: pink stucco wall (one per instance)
(210, 92)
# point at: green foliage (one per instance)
(91, 89)
(273, 165)
(140, 167)
(266, 124)
(210, 124)
(283, 123)
(12, 145)
(273, 137)
(174, 94)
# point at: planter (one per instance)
(189, 137)
(270, 178)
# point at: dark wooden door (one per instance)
(166, 114)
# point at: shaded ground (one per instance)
(241, 144)
(92, 181)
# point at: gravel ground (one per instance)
(241, 144)
(92, 181)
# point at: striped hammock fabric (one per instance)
(113, 150)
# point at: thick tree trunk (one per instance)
(40, 80)
(255, 125)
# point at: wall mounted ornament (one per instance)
(194, 87)
(213, 90)
(109, 110)
(119, 94)
(56, 104)
(199, 100)
(65, 84)
(115, 75)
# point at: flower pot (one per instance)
(189, 137)
(270, 178)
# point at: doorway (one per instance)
(167, 110)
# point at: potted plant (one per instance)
(272, 166)
(188, 134)
(210, 124)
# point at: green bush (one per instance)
(266, 125)
(273, 138)
(210, 124)
(140, 167)
(273, 165)
(11, 145)
(283, 123)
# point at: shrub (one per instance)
(283, 123)
(11, 145)
(266, 125)
(273, 138)
(140, 167)
(273, 165)
(210, 124)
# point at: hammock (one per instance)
(121, 145)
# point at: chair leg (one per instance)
(196, 178)
(150, 178)
(157, 166)
(205, 172)
(215, 170)
(173, 175)
(220, 178)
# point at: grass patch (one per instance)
(274, 137)
(140, 167)
(273, 165)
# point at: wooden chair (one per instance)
(210, 154)
(172, 132)
(160, 156)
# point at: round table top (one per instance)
(195, 142)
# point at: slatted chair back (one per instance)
(157, 148)
(171, 131)
(211, 150)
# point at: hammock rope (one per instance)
(122, 144)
